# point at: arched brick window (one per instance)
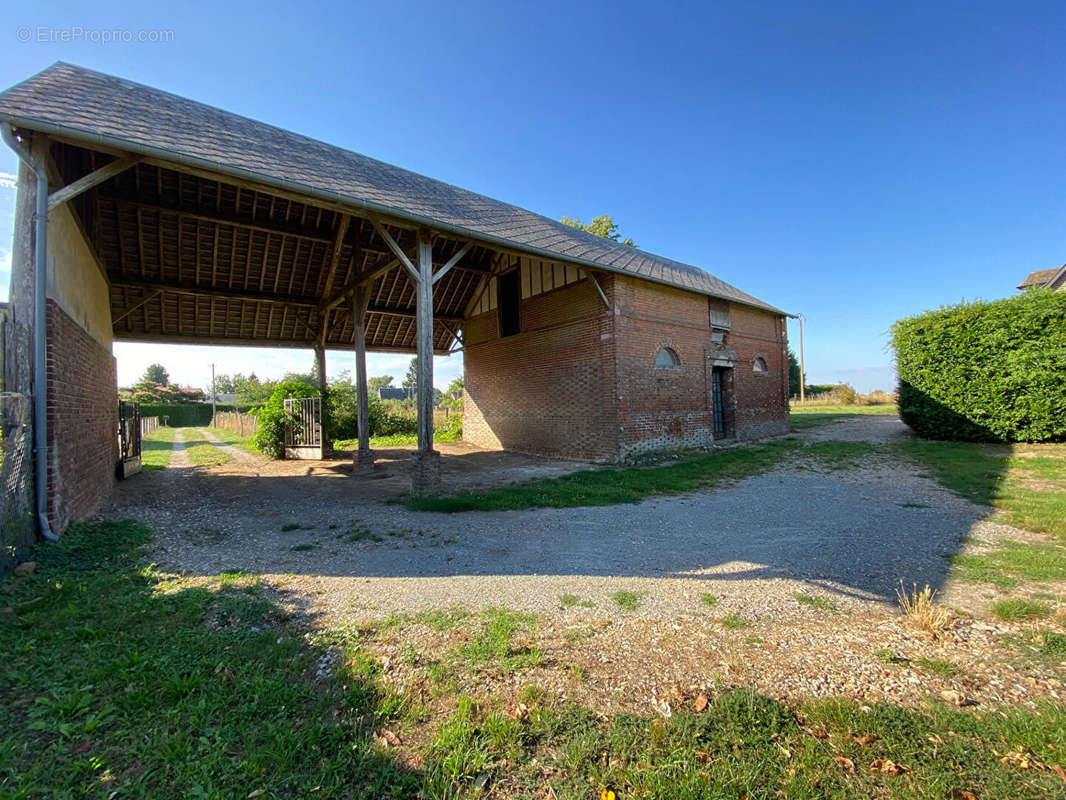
(758, 366)
(667, 359)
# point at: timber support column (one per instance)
(364, 456)
(425, 464)
(323, 388)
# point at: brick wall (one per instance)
(662, 408)
(549, 389)
(580, 382)
(82, 420)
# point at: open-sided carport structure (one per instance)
(166, 220)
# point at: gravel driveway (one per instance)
(854, 534)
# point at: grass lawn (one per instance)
(803, 417)
(1026, 484)
(120, 680)
(156, 448)
(229, 437)
(397, 440)
(201, 452)
(601, 487)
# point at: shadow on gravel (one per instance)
(859, 539)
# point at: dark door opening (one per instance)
(721, 401)
(508, 300)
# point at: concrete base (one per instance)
(363, 461)
(425, 473)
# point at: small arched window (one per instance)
(758, 365)
(667, 359)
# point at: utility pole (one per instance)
(213, 425)
(803, 373)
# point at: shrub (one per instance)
(269, 436)
(985, 371)
(184, 415)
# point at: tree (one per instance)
(376, 384)
(156, 374)
(793, 374)
(410, 380)
(603, 226)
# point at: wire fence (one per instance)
(17, 529)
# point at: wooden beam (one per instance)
(452, 262)
(148, 297)
(302, 344)
(257, 297)
(94, 178)
(424, 339)
(364, 278)
(599, 289)
(360, 301)
(400, 254)
(335, 255)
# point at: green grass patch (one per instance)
(709, 600)
(1013, 562)
(157, 447)
(494, 644)
(609, 486)
(397, 440)
(812, 416)
(1016, 608)
(940, 667)
(120, 680)
(571, 600)
(733, 622)
(1026, 483)
(201, 452)
(821, 603)
(627, 601)
(233, 438)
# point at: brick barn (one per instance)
(171, 221)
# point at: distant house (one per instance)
(396, 393)
(221, 397)
(1054, 278)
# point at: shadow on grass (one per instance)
(117, 680)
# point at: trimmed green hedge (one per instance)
(985, 371)
(184, 415)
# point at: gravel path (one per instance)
(854, 534)
(745, 553)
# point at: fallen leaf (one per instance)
(867, 739)
(846, 763)
(607, 794)
(81, 747)
(956, 698)
(26, 568)
(962, 794)
(887, 766)
(934, 739)
(700, 703)
(387, 738)
(256, 793)
(518, 711)
(1022, 758)
(1059, 771)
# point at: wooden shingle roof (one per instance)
(91, 107)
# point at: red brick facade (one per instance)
(580, 380)
(82, 420)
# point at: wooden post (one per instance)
(364, 457)
(425, 476)
(320, 368)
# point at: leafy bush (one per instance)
(985, 371)
(269, 436)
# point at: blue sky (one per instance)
(853, 162)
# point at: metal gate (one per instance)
(303, 427)
(129, 438)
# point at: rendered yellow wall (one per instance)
(75, 282)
